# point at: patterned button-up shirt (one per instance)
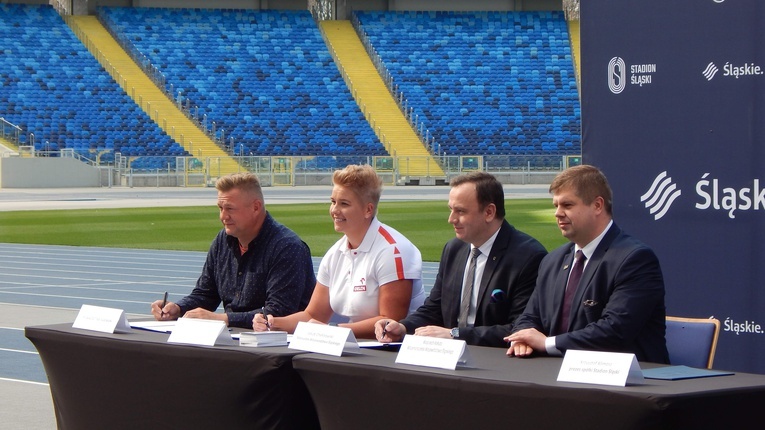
(275, 272)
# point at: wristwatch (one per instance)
(455, 333)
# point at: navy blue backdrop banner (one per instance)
(672, 111)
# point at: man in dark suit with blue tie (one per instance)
(485, 276)
(617, 305)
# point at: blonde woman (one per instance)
(372, 272)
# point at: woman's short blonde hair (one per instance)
(362, 180)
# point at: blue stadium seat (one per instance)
(482, 82)
(263, 76)
(54, 88)
(473, 78)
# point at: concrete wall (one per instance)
(40, 172)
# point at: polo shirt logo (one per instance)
(361, 288)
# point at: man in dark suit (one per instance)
(495, 289)
(618, 303)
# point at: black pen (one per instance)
(265, 317)
(162, 308)
(385, 330)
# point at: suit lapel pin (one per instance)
(565, 267)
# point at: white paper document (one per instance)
(372, 344)
(158, 326)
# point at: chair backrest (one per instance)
(692, 341)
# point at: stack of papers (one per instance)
(263, 338)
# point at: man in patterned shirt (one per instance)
(254, 263)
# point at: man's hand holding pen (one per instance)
(162, 306)
(164, 310)
(261, 322)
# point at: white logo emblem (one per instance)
(660, 196)
(710, 71)
(617, 75)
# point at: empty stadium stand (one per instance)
(484, 83)
(265, 78)
(150, 98)
(263, 82)
(54, 89)
(378, 104)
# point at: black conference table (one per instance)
(371, 391)
(139, 381)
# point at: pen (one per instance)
(162, 308)
(265, 317)
(385, 330)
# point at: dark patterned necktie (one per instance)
(573, 283)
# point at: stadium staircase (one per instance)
(148, 96)
(7, 147)
(376, 102)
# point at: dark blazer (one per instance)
(618, 307)
(511, 267)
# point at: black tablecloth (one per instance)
(371, 391)
(139, 381)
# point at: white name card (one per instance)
(324, 339)
(604, 368)
(97, 318)
(196, 331)
(434, 352)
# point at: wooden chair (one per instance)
(692, 341)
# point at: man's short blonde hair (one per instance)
(587, 182)
(244, 181)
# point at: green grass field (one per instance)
(193, 228)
